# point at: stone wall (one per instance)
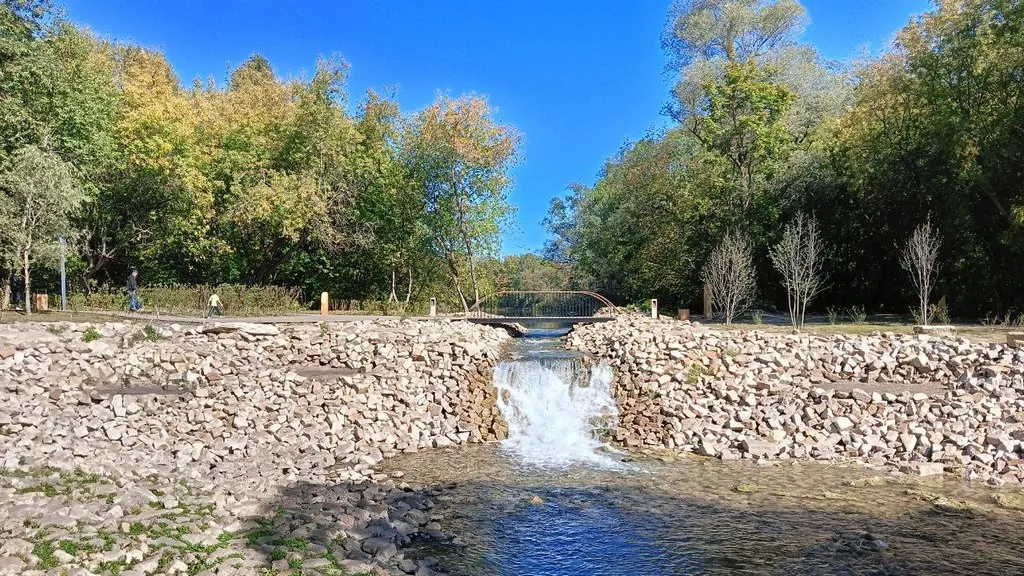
(216, 403)
(231, 449)
(919, 403)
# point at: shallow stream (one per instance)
(552, 500)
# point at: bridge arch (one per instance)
(570, 306)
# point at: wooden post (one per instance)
(684, 313)
(325, 303)
(41, 302)
(433, 307)
(654, 307)
(709, 313)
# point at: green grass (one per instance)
(44, 551)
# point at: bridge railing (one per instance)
(542, 304)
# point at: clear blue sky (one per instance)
(577, 78)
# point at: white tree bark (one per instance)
(920, 258)
(730, 274)
(799, 258)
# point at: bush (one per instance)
(91, 334)
(857, 314)
(757, 316)
(193, 299)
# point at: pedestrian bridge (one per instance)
(538, 307)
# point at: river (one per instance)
(555, 500)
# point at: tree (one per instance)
(730, 274)
(744, 122)
(462, 158)
(799, 257)
(40, 199)
(920, 259)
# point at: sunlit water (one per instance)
(547, 503)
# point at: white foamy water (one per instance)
(554, 412)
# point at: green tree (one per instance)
(461, 158)
(40, 200)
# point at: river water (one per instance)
(555, 500)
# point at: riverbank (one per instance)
(130, 449)
(920, 404)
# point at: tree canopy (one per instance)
(766, 129)
(255, 180)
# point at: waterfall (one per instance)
(555, 411)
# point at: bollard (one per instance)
(654, 307)
(433, 307)
(684, 313)
(324, 303)
(708, 311)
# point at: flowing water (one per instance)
(554, 500)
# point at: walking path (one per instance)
(281, 319)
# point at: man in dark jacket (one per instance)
(133, 287)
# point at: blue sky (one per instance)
(577, 78)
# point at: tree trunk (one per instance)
(408, 291)
(28, 285)
(392, 297)
(8, 285)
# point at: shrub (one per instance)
(91, 334)
(192, 299)
(857, 314)
(941, 311)
(757, 316)
(833, 316)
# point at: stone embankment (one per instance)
(923, 404)
(237, 449)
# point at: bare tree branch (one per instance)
(920, 258)
(730, 274)
(799, 258)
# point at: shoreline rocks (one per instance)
(915, 403)
(167, 421)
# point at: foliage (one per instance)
(833, 315)
(259, 181)
(91, 334)
(767, 129)
(462, 158)
(190, 299)
(39, 197)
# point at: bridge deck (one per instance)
(526, 320)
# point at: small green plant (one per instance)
(833, 316)
(730, 352)
(325, 328)
(941, 311)
(91, 334)
(757, 316)
(694, 373)
(857, 314)
(57, 329)
(151, 334)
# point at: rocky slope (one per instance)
(233, 449)
(920, 403)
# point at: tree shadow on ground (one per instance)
(495, 528)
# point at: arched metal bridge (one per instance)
(532, 307)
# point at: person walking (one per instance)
(133, 288)
(215, 306)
